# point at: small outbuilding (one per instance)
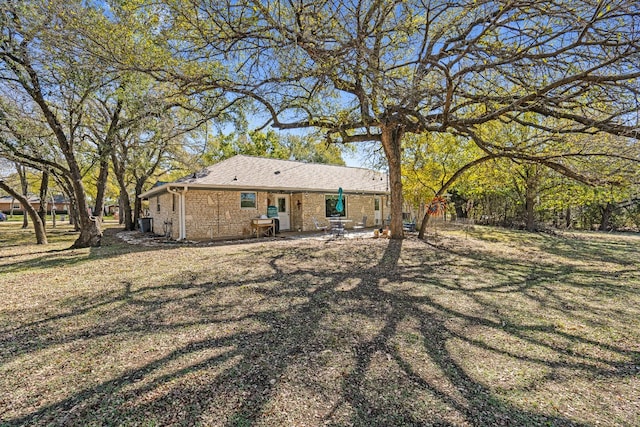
(225, 199)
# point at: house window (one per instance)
(330, 202)
(248, 200)
(173, 202)
(158, 203)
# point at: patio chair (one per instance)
(318, 226)
(362, 224)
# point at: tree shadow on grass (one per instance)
(48, 257)
(343, 334)
(596, 247)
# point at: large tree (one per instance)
(25, 139)
(433, 164)
(367, 70)
(38, 224)
(154, 129)
(309, 147)
(149, 124)
(39, 67)
(95, 111)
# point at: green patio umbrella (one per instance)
(339, 205)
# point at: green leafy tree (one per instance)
(530, 170)
(377, 71)
(433, 163)
(144, 126)
(39, 68)
(71, 64)
(308, 147)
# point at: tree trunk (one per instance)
(73, 217)
(392, 143)
(72, 211)
(118, 160)
(24, 186)
(73, 204)
(38, 227)
(530, 203)
(446, 185)
(125, 208)
(90, 233)
(531, 180)
(606, 212)
(568, 217)
(137, 202)
(44, 189)
(101, 188)
(125, 201)
(459, 204)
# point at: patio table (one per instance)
(263, 227)
(337, 225)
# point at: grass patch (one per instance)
(486, 327)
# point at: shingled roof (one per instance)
(257, 173)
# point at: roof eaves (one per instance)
(165, 187)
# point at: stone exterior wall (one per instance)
(358, 206)
(164, 208)
(297, 215)
(215, 214)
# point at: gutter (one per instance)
(213, 187)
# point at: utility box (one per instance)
(272, 212)
(145, 224)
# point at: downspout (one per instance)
(182, 223)
(183, 209)
(170, 190)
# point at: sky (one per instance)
(353, 160)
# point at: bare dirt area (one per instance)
(474, 328)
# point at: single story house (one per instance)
(8, 204)
(222, 200)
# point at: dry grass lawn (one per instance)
(478, 328)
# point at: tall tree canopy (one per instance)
(70, 109)
(368, 70)
(310, 148)
(45, 80)
(361, 70)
